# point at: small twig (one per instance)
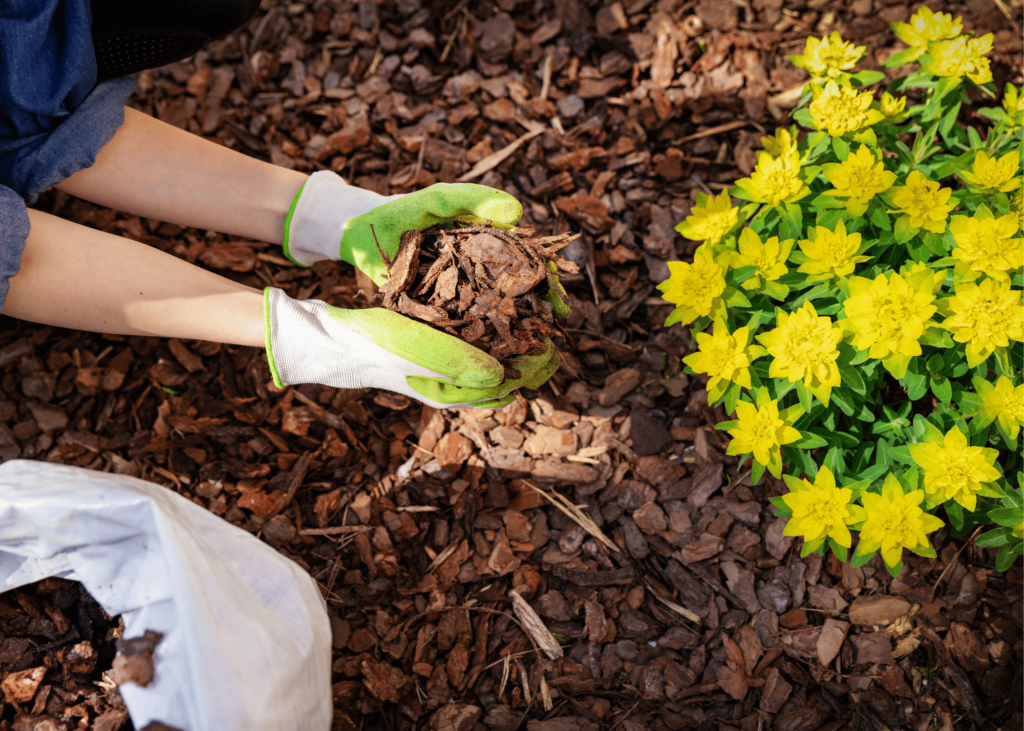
(953, 560)
(623, 719)
(383, 254)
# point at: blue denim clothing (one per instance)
(54, 119)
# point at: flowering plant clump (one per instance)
(865, 295)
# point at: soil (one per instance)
(591, 559)
(484, 285)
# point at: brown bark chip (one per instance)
(21, 687)
(877, 609)
(501, 278)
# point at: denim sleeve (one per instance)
(13, 232)
(54, 118)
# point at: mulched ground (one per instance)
(683, 607)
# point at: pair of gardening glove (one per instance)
(313, 342)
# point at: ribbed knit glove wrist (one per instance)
(313, 342)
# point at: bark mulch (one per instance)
(589, 559)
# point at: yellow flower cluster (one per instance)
(769, 257)
(804, 348)
(822, 510)
(888, 316)
(841, 110)
(955, 470)
(927, 27)
(775, 180)
(828, 57)
(831, 253)
(986, 244)
(895, 521)
(858, 179)
(761, 431)
(989, 175)
(960, 57)
(985, 316)
(725, 358)
(711, 219)
(922, 203)
(696, 289)
(1003, 403)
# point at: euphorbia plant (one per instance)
(866, 301)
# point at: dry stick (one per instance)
(953, 561)
(335, 530)
(535, 628)
(584, 521)
(383, 254)
(495, 158)
(727, 127)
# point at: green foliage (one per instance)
(880, 314)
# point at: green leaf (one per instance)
(803, 118)
(732, 395)
(841, 147)
(1005, 558)
(834, 461)
(941, 388)
(756, 470)
(874, 472)
(791, 221)
(937, 337)
(867, 77)
(880, 218)
(843, 399)
(739, 276)
(901, 58)
(1010, 517)
(810, 441)
(894, 571)
(995, 537)
(901, 454)
(838, 550)
(955, 513)
(903, 231)
(859, 560)
(852, 380)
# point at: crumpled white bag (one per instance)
(246, 639)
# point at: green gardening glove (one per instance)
(311, 342)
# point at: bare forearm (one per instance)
(76, 277)
(152, 169)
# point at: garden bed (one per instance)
(673, 595)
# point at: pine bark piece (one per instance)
(488, 282)
(535, 627)
(403, 270)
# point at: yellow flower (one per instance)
(988, 175)
(955, 471)
(895, 521)
(1013, 103)
(1017, 207)
(961, 56)
(923, 203)
(858, 179)
(927, 27)
(893, 108)
(986, 316)
(828, 57)
(724, 357)
(840, 109)
(695, 288)
(890, 316)
(769, 257)
(711, 219)
(833, 253)
(804, 347)
(1002, 402)
(779, 144)
(775, 180)
(821, 510)
(761, 431)
(986, 244)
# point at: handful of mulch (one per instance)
(487, 286)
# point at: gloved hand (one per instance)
(330, 219)
(312, 342)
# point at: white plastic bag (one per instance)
(246, 640)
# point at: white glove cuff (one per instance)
(316, 223)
